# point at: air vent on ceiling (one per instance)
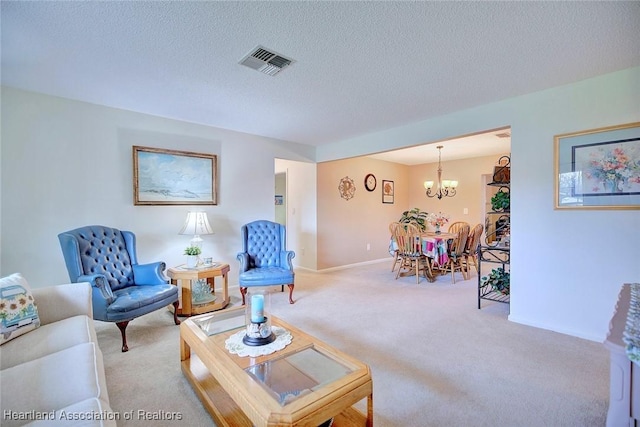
(266, 61)
(503, 135)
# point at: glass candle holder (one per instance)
(257, 311)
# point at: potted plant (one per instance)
(415, 216)
(498, 279)
(501, 201)
(192, 253)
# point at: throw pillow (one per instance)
(18, 311)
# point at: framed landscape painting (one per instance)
(598, 168)
(172, 177)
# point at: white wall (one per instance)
(301, 212)
(67, 164)
(567, 266)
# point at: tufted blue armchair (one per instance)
(264, 260)
(122, 289)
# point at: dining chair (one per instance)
(412, 259)
(456, 253)
(393, 246)
(471, 249)
(455, 226)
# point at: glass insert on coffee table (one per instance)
(307, 382)
(213, 324)
(298, 374)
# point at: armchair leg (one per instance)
(175, 313)
(243, 291)
(123, 326)
(291, 293)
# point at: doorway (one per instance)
(280, 198)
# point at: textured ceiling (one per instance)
(360, 67)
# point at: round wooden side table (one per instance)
(186, 278)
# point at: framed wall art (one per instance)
(598, 168)
(172, 177)
(387, 191)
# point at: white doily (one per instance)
(235, 345)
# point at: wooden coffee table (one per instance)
(319, 381)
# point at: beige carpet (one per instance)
(436, 359)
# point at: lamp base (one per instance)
(259, 333)
(254, 342)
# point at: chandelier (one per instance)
(446, 188)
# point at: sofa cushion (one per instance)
(48, 339)
(18, 311)
(90, 412)
(55, 381)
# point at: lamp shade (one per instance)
(196, 224)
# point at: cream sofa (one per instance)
(54, 374)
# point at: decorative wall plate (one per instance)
(347, 188)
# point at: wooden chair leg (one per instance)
(475, 264)
(400, 269)
(453, 272)
(291, 285)
(175, 313)
(243, 291)
(395, 261)
(123, 326)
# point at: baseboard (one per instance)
(569, 332)
(358, 264)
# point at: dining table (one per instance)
(434, 247)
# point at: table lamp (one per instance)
(197, 223)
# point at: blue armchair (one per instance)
(121, 288)
(264, 260)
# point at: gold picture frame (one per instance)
(173, 177)
(598, 168)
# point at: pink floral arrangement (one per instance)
(615, 168)
(437, 219)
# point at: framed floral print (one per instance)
(598, 168)
(387, 191)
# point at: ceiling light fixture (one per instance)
(446, 188)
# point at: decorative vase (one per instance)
(192, 261)
(612, 186)
(437, 228)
